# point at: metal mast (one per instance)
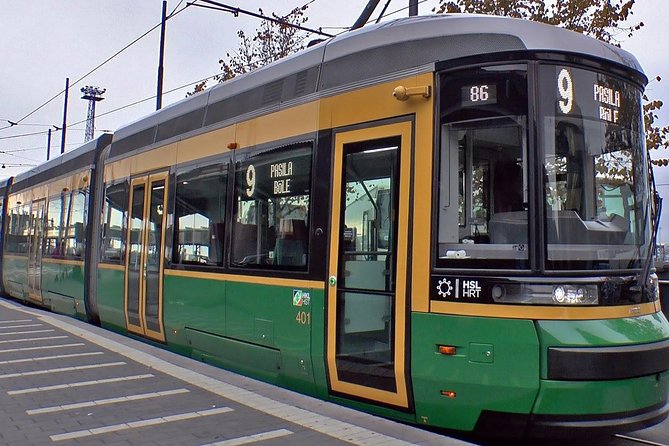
(93, 95)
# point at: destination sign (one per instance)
(588, 94)
(275, 176)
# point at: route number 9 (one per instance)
(250, 180)
(566, 89)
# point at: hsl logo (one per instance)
(300, 298)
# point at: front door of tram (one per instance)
(145, 260)
(367, 292)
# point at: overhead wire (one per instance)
(378, 19)
(6, 165)
(18, 156)
(401, 9)
(132, 104)
(174, 13)
(217, 6)
(31, 149)
(22, 135)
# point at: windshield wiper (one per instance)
(648, 257)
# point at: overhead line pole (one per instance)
(48, 145)
(413, 7)
(62, 140)
(159, 93)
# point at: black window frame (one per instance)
(176, 175)
(124, 186)
(242, 158)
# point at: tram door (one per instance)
(35, 244)
(145, 256)
(367, 292)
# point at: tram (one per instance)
(445, 220)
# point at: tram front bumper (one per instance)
(577, 409)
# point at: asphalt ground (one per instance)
(65, 382)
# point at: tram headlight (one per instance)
(575, 294)
(546, 294)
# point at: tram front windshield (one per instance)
(594, 170)
(587, 170)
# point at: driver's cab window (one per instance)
(483, 187)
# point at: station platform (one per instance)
(65, 382)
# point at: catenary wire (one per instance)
(171, 15)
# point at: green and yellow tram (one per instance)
(444, 220)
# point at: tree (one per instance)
(602, 19)
(272, 41)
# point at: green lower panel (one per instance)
(63, 288)
(601, 397)
(239, 356)
(15, 276)
(110, 298)
(232, 323)
(496, 367)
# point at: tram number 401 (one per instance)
(303, 318)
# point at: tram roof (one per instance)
(69, 162)
(370, 54)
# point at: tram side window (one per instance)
(272, 202)
(200, 215)
(18, 228)
(56, 224)
(115, 209)
(75, 233)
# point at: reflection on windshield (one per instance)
(483, 178)
(593, 172)
(490, 220)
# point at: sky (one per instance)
(46, 41)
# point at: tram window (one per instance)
(272, 198)
(18, 228)
(55, 225)
(200, 215)
(594, 173)
(76, 223)
(483, 179)
(115, 210)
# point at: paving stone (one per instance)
(183, 419)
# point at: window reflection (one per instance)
(56, 212)
(272, 204)
(484, 168)
(18, 230)
(594, 175)
(200, 215)
(115, 208)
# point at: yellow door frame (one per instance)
(404, 130)
(142, 329)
